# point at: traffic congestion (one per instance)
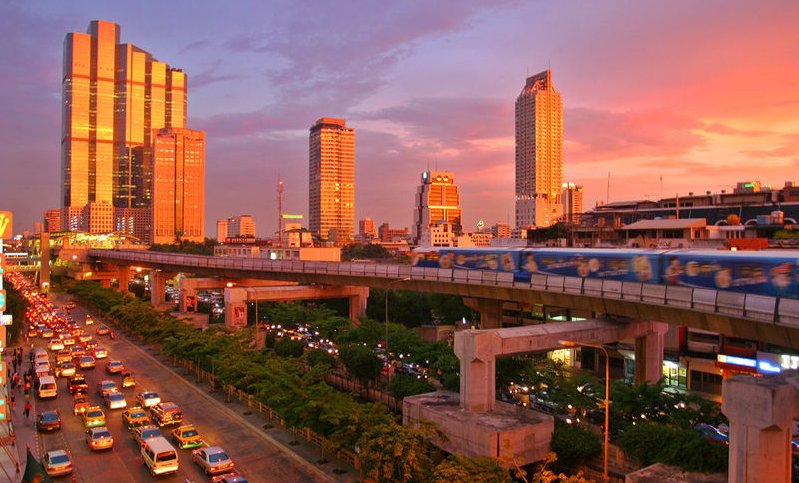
(90, 414)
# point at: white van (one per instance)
(40, 355)
(47, 387)
(159, 456)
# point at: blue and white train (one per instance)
(767, 272)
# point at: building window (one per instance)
(706, 382)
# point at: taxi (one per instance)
(187, 436)
(93, 417)
(135, 417)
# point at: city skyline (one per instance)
(703, 100)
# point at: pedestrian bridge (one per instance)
(768, 319)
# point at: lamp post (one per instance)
(569, 343)
(387, 290)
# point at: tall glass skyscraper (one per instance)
(331, 204)
(437, 199)
(539, 152)
(114, 97)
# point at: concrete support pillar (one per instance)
(123, 277)
(761, 411)
(188, 300)
(158, 280)
(490, 311)
(358, 303)
(649, 354)
(105, 282)
(236, 307)
(477, 353)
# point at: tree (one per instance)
(404, 385)
(361, 251)
(460, 469)
(397, 453)
(573, 445)
(286, 347)
(361, 362)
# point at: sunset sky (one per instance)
(704, 94)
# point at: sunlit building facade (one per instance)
(178, 186)
(572, 203)
(539, 153)
(437, 199)
(114, 97)
(331, 204)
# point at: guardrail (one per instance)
(774, 310)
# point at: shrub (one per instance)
(361, 362)
(320, 357)
(403, 385)
(289, 348)
(650, 443)
(573, 445)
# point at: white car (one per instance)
(55, 344)
(147, 399)
(57, 463)
(115, 400)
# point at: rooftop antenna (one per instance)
(607, 195)
(279, 211)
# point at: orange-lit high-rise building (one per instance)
(572, 203)
(178, 196)
(539, 153)
(437, 199)
(114, 97)
(331, 204)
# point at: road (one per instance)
(255, 455)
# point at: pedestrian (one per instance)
(27, 409)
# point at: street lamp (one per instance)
(387, 289)
(569, 343)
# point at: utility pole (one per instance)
(279, 212)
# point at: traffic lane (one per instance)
(253, 454)
(124, 459)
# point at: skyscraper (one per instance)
(178, 185)
(331, 204)
(437, 199)
(572, 203)
(539, 152)
(114, 97)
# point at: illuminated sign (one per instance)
(736, 361)
(292, 217)
(2, 300)
(6, 319)
(6, 219)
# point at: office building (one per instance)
(98, 217)
(501, 230)
(178, 186)
(242, 226)
(367, 230)
(389, 235)
(114, 97)
(331, 209)
(539, 153)
(437, 199)
(572, 203)
(52, 221)
(221, 230)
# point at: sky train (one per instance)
(767, 272)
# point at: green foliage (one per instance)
(286, 347)
(413, 309)
(403, 385)
(460, 469)
(185, 246)
(364, 251)
(361, 362)
(396, 453)
(573, 445)
(651, 443)
(544, 475)
(320, 357)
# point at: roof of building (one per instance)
(667, 224)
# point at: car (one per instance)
(48, 421)
(128, 380)
(55, 344)
(90, 344)
(57, 463)
(78, 384)
(48, 333)
(114, 367)
(88, 320)
(65, 369)
(102, 330)
(115, 400)
(63, 355)
(106, 385)
(143, 433)
(68, 340)
(187, 436)
(232, 477)
(213, 460)
(86, 362)
(83, 337)
(69, 306)
(147, 399)
(93, 417)
(711, 433)
(99, 438)
(77, 351)
(134, 417)
(32, 332)
(100, 353)
(166, 413)
(80, 403)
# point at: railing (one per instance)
(774, 310)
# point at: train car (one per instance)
(767, 272)
(495, 259)
(630, 265)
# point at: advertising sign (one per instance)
(5, 224)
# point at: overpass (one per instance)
(768, 319)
